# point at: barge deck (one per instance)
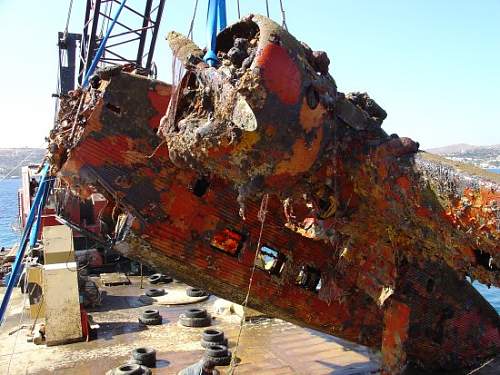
(267, 346)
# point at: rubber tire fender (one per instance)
(128, 369)
(218, 361)
(150, 313)
(209, 344)
(151, 321)
(155, 278)
(195, 292)
(195, 322)
(145, 355)
(155, 292)
(217, 351)
(196, 313)
(166, 279)
(212, 335)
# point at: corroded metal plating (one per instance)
(391, 233)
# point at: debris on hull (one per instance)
(363, 237)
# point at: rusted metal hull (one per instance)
(365, 239)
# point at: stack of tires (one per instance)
(144, 356)
(140, 364)
(150, 317)
(195, 318)
(195, 292)
(216, 353)
(211, 337)
(158, 278)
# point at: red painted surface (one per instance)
(281, 75)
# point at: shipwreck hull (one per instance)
(415, 308)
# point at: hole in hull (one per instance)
(309, 278)
(270, 260)
(228, 240)
(201, 186)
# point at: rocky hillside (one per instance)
(16, 158)
(481, 156)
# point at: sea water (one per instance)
(8, 211)
(8, 237)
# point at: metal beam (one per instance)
(144, 25)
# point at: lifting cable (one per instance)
(262, 218)
(238, 4)
(191, 26)
(177, 69)
(267, 8)
(283, 20)
(68, 17)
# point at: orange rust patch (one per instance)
(423, 212)
(96, 152)
(311, 118)
(280, 72)
(303, 156)
(159, 99)
(93, 123)
(396, 323)
(404, 183)
(163, 90)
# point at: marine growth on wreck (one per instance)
(370, 239)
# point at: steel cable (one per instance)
(283, 20)
(68, 17)
(262, 218)
(191, 26)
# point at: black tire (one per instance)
(196, 313)
(217, 351)
(151, 321)
(209, 344)
(166, 279)
(195, 322)
(148, 314)
(218, 361)
(212, 335)
(146, 356)
(128, 369)
(155, 292)
(155, 278)
(195, 292)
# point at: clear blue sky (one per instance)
(434, 65)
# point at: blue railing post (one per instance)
(36, 227)
(24, 241)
